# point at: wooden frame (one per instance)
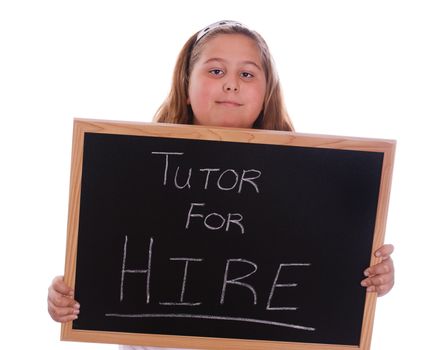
(82, 126)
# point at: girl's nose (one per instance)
(231, 85)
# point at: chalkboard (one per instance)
(214, 238)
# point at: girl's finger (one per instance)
(385, 251)
(61, 287)
(381, 268)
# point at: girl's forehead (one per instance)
(232, 45)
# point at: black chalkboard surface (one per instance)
(193, 237)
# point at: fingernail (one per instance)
(371, 289)
(76, 312)
(366, 273)
(377, 254)
(363, 283)
(76, 306)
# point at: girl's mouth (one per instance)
(229, 103)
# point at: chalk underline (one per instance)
(212, 317)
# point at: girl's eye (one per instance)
(246, 75)
(216, 72)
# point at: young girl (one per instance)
(224, 76)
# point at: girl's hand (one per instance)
(381, 277)
(61, 305)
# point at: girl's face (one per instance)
(227, 83)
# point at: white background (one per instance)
(355, 68)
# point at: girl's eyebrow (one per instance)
(222, 60)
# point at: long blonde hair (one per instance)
(175, 108)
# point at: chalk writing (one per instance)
(227, 179)
(228, 280)
(236, 280)
(198, 214)
(282, 285)
(212, 317)
(131, 271)
(184, 280)
(224, 180)
(232, 218)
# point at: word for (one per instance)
(229, 281)
(215, 221)
(225, 180)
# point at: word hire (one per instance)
(229, 281)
